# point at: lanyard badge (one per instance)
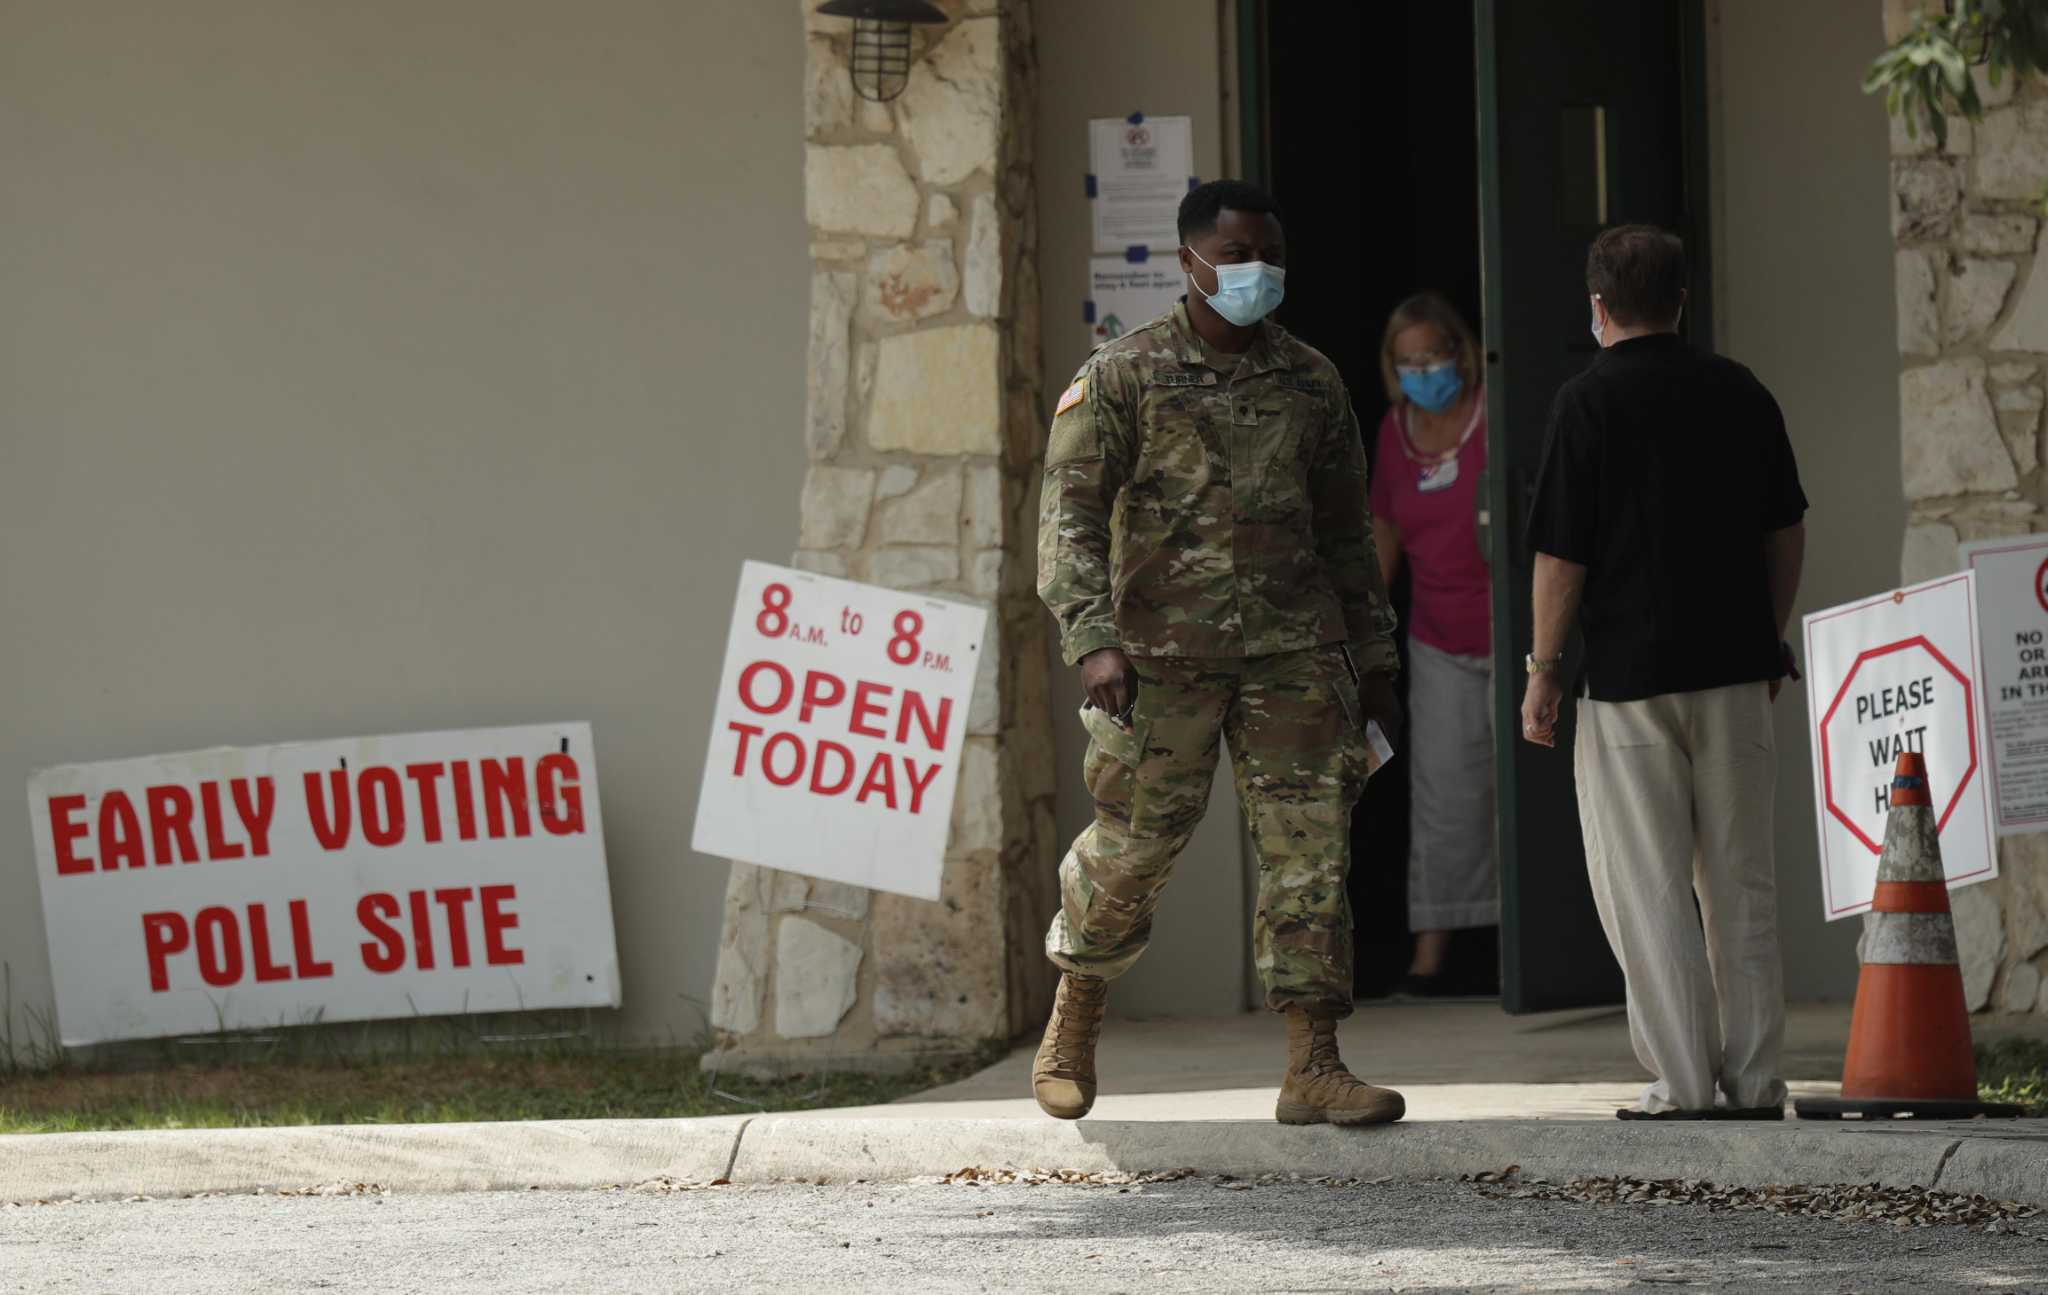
(1437, 476)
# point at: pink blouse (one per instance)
(1433, 500)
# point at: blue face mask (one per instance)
(1435, 388)
(1245, 294)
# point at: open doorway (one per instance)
(1476, 150)
(1370, 141)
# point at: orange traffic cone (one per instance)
(1909, 1042)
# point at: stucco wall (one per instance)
(1805, 287)
(1160, 57)
(384, 367)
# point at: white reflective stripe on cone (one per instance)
(1910, 939)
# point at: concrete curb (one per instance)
(403, 1157)
(1729, 1154)
(2005, 1161)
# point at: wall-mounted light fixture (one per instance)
(881, 42)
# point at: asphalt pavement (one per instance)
(1189, 1235)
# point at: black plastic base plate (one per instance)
(1892, 1108)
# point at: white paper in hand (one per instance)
(1382, 750)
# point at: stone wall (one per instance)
(924, 429)
(1972, 278)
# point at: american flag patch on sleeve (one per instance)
(1071, 397)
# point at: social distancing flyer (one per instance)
(2012, 592)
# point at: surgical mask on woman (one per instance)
(1434, 388)
(1245, 294)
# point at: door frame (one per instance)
(1697, 232)
(1507, 681)
(1254, 116)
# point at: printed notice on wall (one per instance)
(1885, 676)
(841, 723)
(2012, 618)
(252, 887)
(1139, 171)
(1123, 295)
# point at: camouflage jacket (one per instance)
(1190, 512)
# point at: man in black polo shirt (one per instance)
(1667, 519)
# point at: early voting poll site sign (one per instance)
(842, 715)
(1887, 675)
(365, 878)
(2012, 589)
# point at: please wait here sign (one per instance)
(423, 874)
(1886, 676)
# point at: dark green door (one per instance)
(1588, 116)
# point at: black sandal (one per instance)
(1712, 1113)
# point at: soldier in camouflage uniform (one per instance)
(1206, 545)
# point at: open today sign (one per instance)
(842, 715)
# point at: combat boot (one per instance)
(1063, 1076)
(1319, 1089)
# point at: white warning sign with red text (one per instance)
(2012, 588)
(357, 879)
(1887, 675)
(842, 715)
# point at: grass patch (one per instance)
(555, 1085)
(2014, 1070)
(532, 1065)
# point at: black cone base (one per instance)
(1890, 1108)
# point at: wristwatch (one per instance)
(1538, 667)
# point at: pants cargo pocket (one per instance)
(1343, 686)
(1114, 754)
(1349, 706)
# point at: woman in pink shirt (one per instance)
(1425, 502)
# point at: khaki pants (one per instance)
(1675, 802)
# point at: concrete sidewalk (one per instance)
(1485, 1091)
(1452, 1061)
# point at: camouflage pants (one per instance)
(1297, 749)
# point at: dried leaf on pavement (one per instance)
(1902, 1207)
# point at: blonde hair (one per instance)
(1429, 308)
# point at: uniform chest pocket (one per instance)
(1280, 449)
(1174, 461)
